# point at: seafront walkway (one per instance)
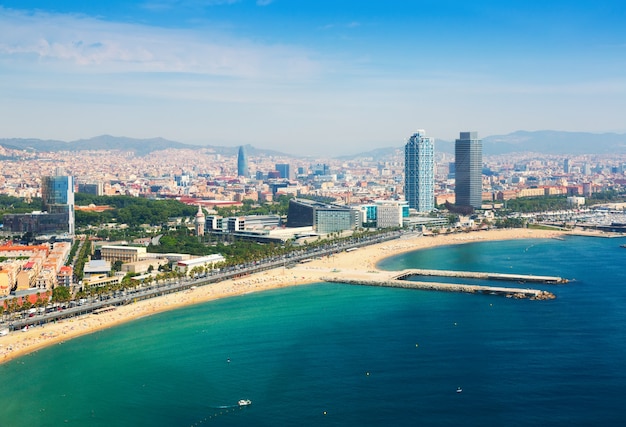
(396, 279)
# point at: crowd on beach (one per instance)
(18, 343)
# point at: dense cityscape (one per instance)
(233, 207)
(312, 213)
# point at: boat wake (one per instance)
(241, 403)
(220, 410)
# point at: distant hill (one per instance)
(555, 142)
(543, 142)
(140, 147)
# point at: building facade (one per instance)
(389, 213)
(468, 157)
(285, 170)
(419, 172)
(323, 217)
(57, 194)
(122, 253)
(37, 223)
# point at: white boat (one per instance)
(244, 402)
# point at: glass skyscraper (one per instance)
(468, 158)
(242, 163)
(57, 194)
(419, 172)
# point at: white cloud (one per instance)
(81, 44)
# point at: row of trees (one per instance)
(83, 257)
(15, 305)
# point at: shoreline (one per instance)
(18, 344)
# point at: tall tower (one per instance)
(419, 172)
(200, 221)
(468, 157)
(57, 194)
(242, 162)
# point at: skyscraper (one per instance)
(57, 194)
(419, 172)
(242, 162)
(468, 157)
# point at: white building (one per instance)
(205, 261)
(389, 213)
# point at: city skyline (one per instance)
(319, 77)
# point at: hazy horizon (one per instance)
(309, 77)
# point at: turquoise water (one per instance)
(329, 354)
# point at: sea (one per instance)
(344, 355)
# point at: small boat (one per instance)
(244, 402)
(459, 390)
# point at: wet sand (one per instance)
(19, 343)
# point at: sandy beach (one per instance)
(19, 343)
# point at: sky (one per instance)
(309, 77)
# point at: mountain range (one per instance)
(543, 142)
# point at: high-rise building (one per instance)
(242, 162)
(566, 167)
(57, 194)
(468, 157)
(285, 170)
(419, 172)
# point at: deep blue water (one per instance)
(330, 354)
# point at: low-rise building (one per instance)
(122, 253)
(144, 265)
(205, 261)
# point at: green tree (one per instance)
(61, 294)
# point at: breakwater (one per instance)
(523, 278)
(518, 293)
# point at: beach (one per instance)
(364, 259)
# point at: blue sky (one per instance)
(323, 77)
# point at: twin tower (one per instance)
(419, 171)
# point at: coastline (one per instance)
(18, 343)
